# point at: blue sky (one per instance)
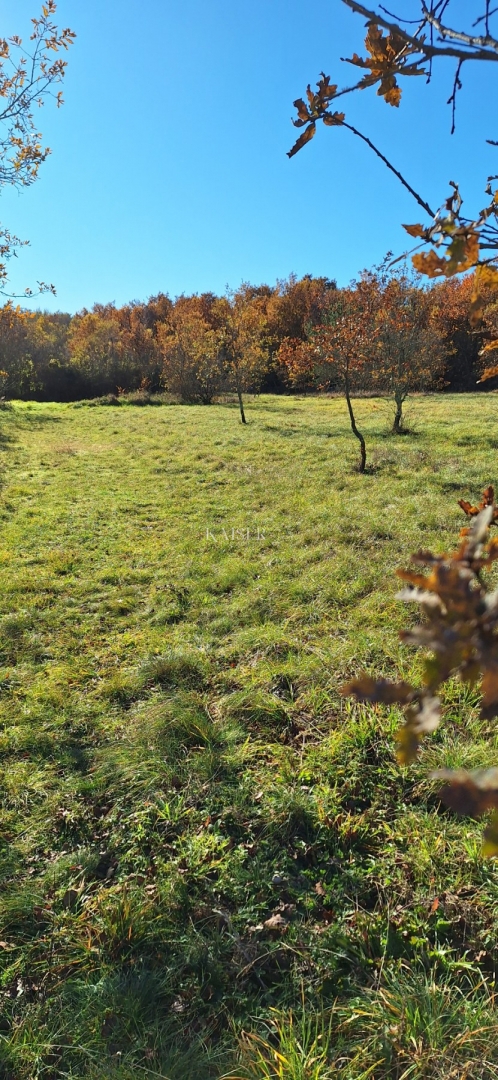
(169, 169)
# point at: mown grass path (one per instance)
(181, 599)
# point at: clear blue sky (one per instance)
(169, 170)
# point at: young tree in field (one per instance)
(241, 322)
(190, 352)
(28, 76)
(409, 347)
(345, 346)
(340, 352)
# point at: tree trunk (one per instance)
(398, 416)
(241, 405)
(354, 429)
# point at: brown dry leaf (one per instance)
(462, 254)
(468, 508)
(422, 718)
(415, 230)
(378, 691)
(469, 793)
(276, 922)
(489, 706)
(302, 140)
(427, 262)
(302, 110)
(333, 119)
(390, 91)
(388, 56)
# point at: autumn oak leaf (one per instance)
(469, 793)
(378, 691)
(430, 264)
(422, 718)
(333, 119)
(415, 230)
(302, 111)
(302, 140)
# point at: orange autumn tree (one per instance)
(16, 366)
(345, 345)
(450, 301)
(340, 352)
(489, 351)
(241, 324)
(96, 350)
(409, 348)
(299, 359)
(189, 346)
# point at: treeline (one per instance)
(256, 338)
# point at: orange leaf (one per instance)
(484, 275)
(489, 707)
(302, 140)
(392, 94)
(378, 691)
(333, 119)
(302, 109)
(430, 264)
(469, 793)
(415, 230)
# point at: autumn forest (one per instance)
(395, 334)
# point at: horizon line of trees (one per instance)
(384, 333)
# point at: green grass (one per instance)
(180, 601)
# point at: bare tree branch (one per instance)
(488, 50)
(455, 35)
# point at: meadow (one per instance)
(211, 864)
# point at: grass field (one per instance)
(211, 863)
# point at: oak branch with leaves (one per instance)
(460, 638)
(399, 47)
(29, 75)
